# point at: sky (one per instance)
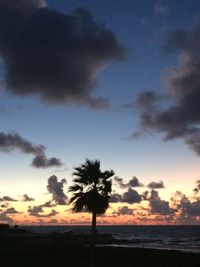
(116, 81)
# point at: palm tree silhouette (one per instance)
(91, 191)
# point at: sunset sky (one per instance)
(117, 81)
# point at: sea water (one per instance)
(183, 237)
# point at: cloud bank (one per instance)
(54, 55)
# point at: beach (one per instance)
(49, 251)
(168, 237)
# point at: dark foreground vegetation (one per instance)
(58, 251)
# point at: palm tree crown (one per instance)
(92, 188)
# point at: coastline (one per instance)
(170, 237)
(49, 251)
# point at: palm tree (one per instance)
(91, 191)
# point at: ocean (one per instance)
(184, 238)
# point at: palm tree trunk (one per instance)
(93, 240)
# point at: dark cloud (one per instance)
(4, 215)
(156, 185)
(186, 207)
(26, 198)
(10, 211)
(41, 161)
(56, 188)
(115, 197)
(5, 218)
(125, 210)
(7, 198)
(197, 188)
(5, 205)
(145, 195)
(48, 204)
(22, 4)
(148, 100)
(179, 116)
(131, 196)
(13, 141)
(38, 211)
(175, 40)
(54, 55)
(120, 182)
(35, 210)
(58, 197)
(148, 104)
(190, 208)
(159, 206)
(134, 182)
(52, 213)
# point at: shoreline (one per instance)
(58, 251)
(82, 236)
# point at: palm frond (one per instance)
(107, 186)
(79, 203)
(75, 196)
(81, 180)
(108, 174)
(91, 187)
(75, 188)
